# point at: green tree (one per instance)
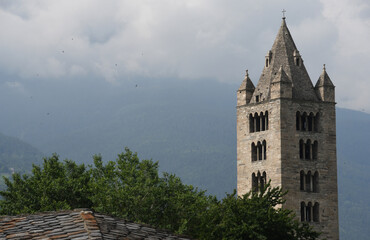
(133, 189)
(57, 185)
(255, 216)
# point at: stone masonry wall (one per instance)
(271, 165)
(325, 164)
(283, 163)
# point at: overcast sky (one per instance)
(47, 40)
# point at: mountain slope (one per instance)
(17, 155)
(189, 127)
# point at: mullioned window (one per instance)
(258, 122)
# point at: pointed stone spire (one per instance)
(245, 90)
(324, 87)
(247, 83)
(324, 79)
(285, 53)
(281, 85)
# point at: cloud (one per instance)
(16, 86)
(184, 39)
(351, 20)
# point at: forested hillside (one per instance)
(189, 127)
(17, 155)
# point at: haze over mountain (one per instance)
(17, 155)
(188, 126)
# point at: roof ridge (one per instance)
(90, 224)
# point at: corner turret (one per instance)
(245, 91)
(325, 88)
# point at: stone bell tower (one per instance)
(286, 133)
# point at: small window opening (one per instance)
(267, 62)
(298, 120)
(301, 149)
(316, 212)
(303, 210)
(257, 98)
(316, 122)
(251, 123)
(304, 122)
(254, 183)
(314, 150)
(258, 122)
(316, 182)
(254, 152)
(297, 61)
(308, 149)
(308, 182)
(259, 148)
(301, 180)
(308, 212)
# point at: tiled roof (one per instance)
(77, 224)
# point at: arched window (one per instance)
(303, 211)
(304, 122)
(316, 212)
(310, 122)
(308, 149)
(258, 181)
(301, 180)
(308, 212)
(267, 120)
(263, 180)
(257, 122)
(254, 152)
(259, 149)
(308, 182)
(298, 120)
(251, 123)
(301, 149)
(254, 183)
(316, 182)
(317, 122)
(314, 150)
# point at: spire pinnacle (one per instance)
(247, 83)
(324, 79)
(284, 11)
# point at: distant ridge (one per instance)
(17, 155)
(189, 127)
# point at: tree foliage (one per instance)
(133, 189)
(254, 216)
